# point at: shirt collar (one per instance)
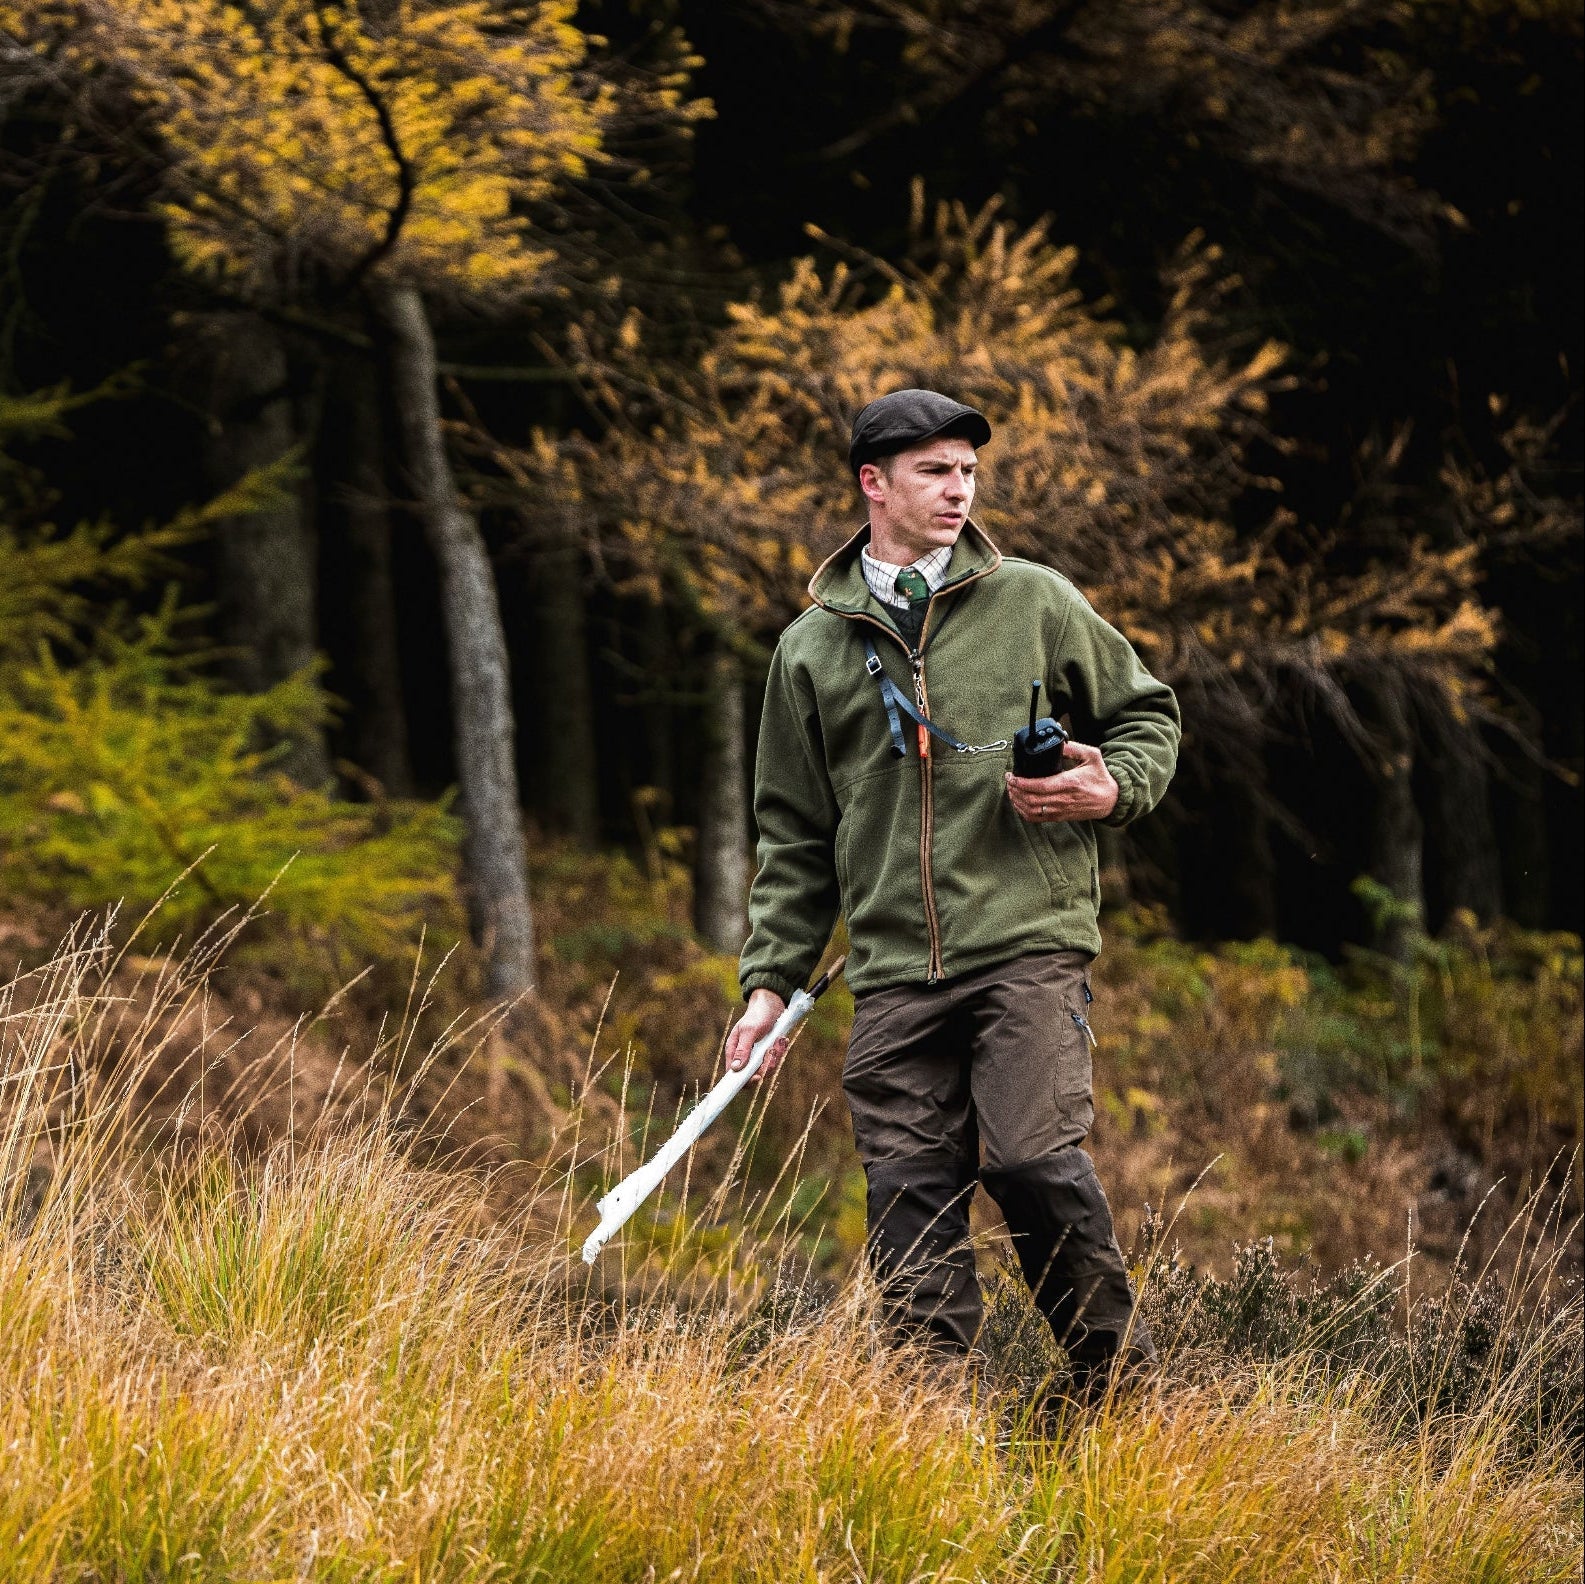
(881, 576)
(838, 583)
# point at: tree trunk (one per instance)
(721, 866)
(265, 562)
(1397, 858)
(1465, 837)
(564, 758)
(498, 904)
(379, 721)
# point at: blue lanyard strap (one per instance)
(896, 700)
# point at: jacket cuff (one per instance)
(762, 980)
(1127, 795)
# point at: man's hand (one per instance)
(764, 1007)
(1086, 792)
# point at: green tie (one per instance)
(912, 586)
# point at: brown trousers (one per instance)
(986, 1078)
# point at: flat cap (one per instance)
(904, 418)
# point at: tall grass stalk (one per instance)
(225, 1357)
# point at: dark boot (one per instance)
(1061, 1228)
(1100, 1366)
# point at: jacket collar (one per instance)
(838, 583)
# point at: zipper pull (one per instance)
(1084, 1023)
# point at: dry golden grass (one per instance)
(321, 1359)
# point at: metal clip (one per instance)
(872, 664)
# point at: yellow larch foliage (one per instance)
(1118, 463)
(306, 139)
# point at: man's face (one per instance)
(920, 499)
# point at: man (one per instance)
(970, 893)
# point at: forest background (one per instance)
(416, 416)
(417, 420)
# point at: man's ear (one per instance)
(873, 483)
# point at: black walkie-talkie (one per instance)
(1037, 747)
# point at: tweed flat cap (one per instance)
(903, 418)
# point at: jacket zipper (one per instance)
(927, 804)
(927, 812)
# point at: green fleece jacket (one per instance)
(924, 855)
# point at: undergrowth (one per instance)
(126, 759)
(1313, 1102)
